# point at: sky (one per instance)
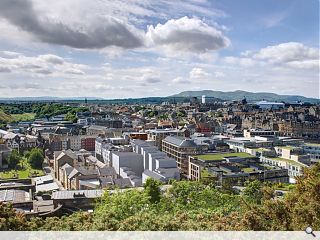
(141, 48)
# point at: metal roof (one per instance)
(73, 193)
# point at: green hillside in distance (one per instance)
(250, 96)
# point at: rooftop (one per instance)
(15, 196)
(71, 194)
(221, 156)
(292, 162)
(180, 141)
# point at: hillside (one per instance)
(5, 117)
(250, 96)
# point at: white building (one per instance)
(270, 105)
(203, 99)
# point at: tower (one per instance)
(203, 100)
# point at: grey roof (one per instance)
(126, 154)
(96, 162)
(47, 187)
(107, 171)
(73, 193)
(180, 141)
(140, 142)
(15, 196)
(167, 172)
(122, 182)
(43, 179)
(68, 169)
(153, 175)
(82, 171)
(104, 181)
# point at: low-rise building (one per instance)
(180, 149)
(157, 135)
(234, 168)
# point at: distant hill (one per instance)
(48, 98)
(250, 96)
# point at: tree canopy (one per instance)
(36, 158)
(13, 159)
(188, 205)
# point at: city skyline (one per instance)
(119, 49)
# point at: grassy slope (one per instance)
(5, 117)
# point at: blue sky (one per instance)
(139, 48)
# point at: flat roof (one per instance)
(47, 187)
(288, 161)
(13, 195)
(70, 194)
(221, 156)
(124, 154)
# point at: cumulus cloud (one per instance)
(187, 35)
(41, 64)
(180, 80)
(198, 73)
(289, 55)
(287, 52)
(108, 31)
(52, 59)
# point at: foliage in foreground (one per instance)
(193, 206)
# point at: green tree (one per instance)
(71, 117)
(10, 219)
(253, 191)
(36, 158)
(13, 159)
(152, 189)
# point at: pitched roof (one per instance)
(107, 171)
(122, 182)
(180, 141)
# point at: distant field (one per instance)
(23, 116)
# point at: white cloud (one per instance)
(96, 33)
(187, 35)
(52, 59)
(41, 64)
(304, 64)
(198, 73)
(180, 80)
(287, 52)
(9, 54)
(219, 75)
(240, 61)
(74, 71)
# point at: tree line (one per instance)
(189, 205)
